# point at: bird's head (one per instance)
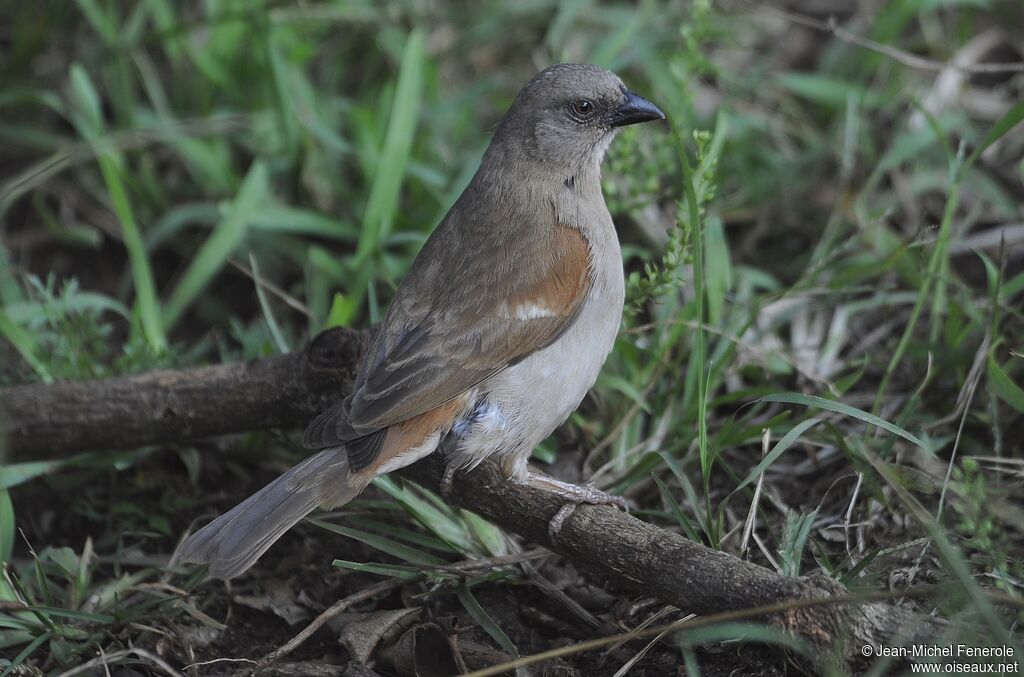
(566, 116)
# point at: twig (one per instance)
(848, 516)
(748, 527)
(129, 139)
(965, 398)
(384, 586)
(691, 623)
(105, 659)
(332, 611)
(906, 58)
(470, 565)
(559, 597)
(289, 300)
(218, 660)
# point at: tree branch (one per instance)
(177, 405)
(286, 391)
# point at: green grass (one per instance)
(820, 367)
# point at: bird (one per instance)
(495, 335)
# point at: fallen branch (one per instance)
(177, 405)
(696, 579)
(286, 391)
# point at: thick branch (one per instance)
(650, 560)
(286, 391)
(176, 405)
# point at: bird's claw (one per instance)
(573, 495)
(587, 494)
(555, 525)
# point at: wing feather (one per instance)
(473, 322)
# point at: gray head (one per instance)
(566, 116)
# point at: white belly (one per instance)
(526, 402)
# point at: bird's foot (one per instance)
(574, 495)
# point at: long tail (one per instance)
(234, 541)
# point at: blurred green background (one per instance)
(195, 182)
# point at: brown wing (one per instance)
(480, 314)
(458, 319)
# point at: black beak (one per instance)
(635, 109)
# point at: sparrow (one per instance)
(496, 333)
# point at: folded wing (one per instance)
(458, 319)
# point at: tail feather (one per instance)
(234, 541)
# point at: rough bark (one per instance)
(286, 391)
(175, 405)
(697, 579)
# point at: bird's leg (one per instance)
(574, 494)
(448, 448)
(446, 480)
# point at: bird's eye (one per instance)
(582, 108)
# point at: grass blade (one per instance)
(484, 620)
(7, 526)
(781, 446)
(677, 510)
(221, 244)
(89, 123)
(948, 552)
(393, 570)
(698, 360)
(1004, 387)
(268, 313)
(438, 522)
(386, 545)
(382, 204)
(846, 410)
(25, 344)
(999, 128)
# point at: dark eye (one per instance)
(582, 108)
